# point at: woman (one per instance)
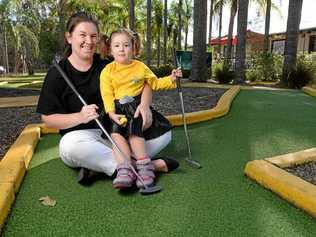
(82, 145)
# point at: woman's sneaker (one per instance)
(145, 170)
(125, 177)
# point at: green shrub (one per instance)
(266, 67)
(251, 75)
(224, 75)
(304, 73)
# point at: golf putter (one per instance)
(147, 189)
(189, 160)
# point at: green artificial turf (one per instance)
(217, 200)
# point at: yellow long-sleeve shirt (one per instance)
(119, 80)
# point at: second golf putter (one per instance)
(189, 160)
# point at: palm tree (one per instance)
(4, 22)
(292, 32)
(241, 40)
(179, 24)
(187, 20)
(210, 20)
(218, 8)
(267, 27)
(148, 33)
(132, 15)
(157, 26)
(165, 31)
(199, 71)
(228, 53)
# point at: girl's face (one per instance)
(122, 48)
(83, 40)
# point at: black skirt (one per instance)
(160, 124)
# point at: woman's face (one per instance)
(83, 40)
(121, 48)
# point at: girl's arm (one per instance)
(144, 107)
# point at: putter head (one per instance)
(193, 163)
(150, 190)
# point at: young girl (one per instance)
(121, 84)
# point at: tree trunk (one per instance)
(228, 52)
(186, 37)
(199, 70)
(148, 35)
(165, 32)
(267, 27)
(179, 24)
(61, 26)
(210, 22)
(241, 41)
(219, 48)
(158, 47)
(6, 50)
(131, 15)
(292, 32)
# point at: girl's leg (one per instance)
(144, 166)
(123, 146)
(154, 146)
(125, 177)
(87, 149)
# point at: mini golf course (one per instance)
(217, 200)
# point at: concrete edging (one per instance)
(295, 190)
(13, 168)
(222, 108)
(309, 90)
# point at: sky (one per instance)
(278, 19)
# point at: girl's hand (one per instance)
(88, 113)
(117, 118)
(176, 73)
(146, 114)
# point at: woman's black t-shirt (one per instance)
(57, 97)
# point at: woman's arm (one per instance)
(144, 107)
(64, 121)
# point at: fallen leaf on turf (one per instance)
(47, 201)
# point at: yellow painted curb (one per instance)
(293, 159)
(297, 191)
(18, 101)
(13, 167)
(220, 109)
(23, 147)
(309, 90)
(12, 172)
(6, 200)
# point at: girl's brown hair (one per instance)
(134, 37)
(72, 22)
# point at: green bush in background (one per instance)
(265, 67)
(223, 74)
(304, 73)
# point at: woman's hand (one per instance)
(176, 73)
(146, 114)
(88, 113)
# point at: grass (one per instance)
(23, 81)
(217, 200)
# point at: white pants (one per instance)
(86, 148)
